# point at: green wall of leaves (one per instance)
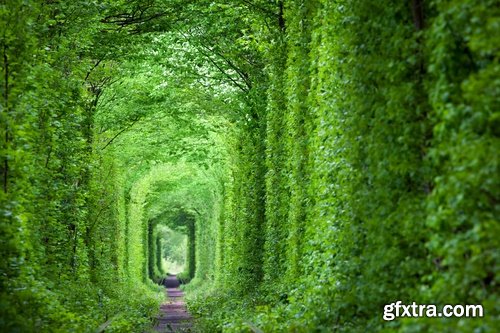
(62, 227)
(381, 172)
(324, 157)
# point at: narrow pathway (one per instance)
(174, 316)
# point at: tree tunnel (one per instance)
(172, 245)
(173, 212)
(303, 163)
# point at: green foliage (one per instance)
(381, 172)
(60, 268)
(323, 158)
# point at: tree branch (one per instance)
(417, 7)
(93, 67)
(237, 70)
(120, 132)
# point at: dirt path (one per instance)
(174, 316)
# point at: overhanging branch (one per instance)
(120, 132)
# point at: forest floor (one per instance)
(173, 316)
